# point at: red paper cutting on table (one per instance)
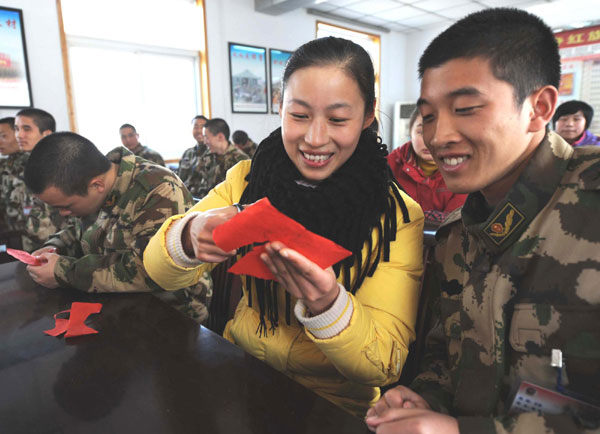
(75, 325)
(261, 222)
(23, 256)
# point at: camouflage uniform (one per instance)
(106, 256)
(248, 148)
(189, 171)
(212, 168)
(515, 282)
(148, 154)
(22, 211)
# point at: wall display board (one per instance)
(248, 78)
(15, 86)
(277, 61)
(580, 77)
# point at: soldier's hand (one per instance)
(398, 397)
(48, 249)
(412, 420)
(198, 239)
(44, 274)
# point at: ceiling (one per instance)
(408, 16)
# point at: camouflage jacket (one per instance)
(189, 170)
(249, 148)
(148, 154)
(213, 167)
(513, 283)
(106, 256)
(21, 211)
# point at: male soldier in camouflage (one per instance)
(220, 156)
(517, 269)
(189, 169)
(8, 168)
(129, 197)
(244, 143)
(129, 138)
(36, 220)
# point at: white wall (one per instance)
(45, 59)
(237, 21)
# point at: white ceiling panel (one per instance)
(423, 20)
(400, 13)
(373, 6)
(436, 5)
(460, 11)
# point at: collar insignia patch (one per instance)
(504, 224)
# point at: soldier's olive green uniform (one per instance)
(21, 211)
(106, 256)
(189, 169)
(515, 282)
(248, 148)
(148, 154)
(213, 168)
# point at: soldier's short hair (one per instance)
(519, 46)
(216, 126)
(239, 137)
(572, 107)
(66, 161)
(199, 117)
(41, 118)
(128, 126)
(10, 121)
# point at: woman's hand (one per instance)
(197, 237)
(305, 280)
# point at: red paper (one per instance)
(261, 222)
(23, 256)
(75, 325)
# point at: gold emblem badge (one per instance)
(505, 222)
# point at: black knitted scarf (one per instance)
(345, 208)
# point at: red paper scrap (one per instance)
(75, 325)
(23, 256)
(261, 222)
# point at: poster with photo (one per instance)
(278, 59)
(248, 78)
(15, 87)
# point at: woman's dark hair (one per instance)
(572, 107)
(349, 56)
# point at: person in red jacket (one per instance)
(418, 175)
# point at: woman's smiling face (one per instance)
(322, 117)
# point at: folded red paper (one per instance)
(23, 256)
(261, 222)
(75, 324)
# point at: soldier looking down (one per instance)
(516, 270)
(128, 199)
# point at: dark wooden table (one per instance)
(149, 370)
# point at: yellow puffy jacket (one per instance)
(348, 368)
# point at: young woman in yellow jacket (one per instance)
(341, 331)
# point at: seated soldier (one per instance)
(9, 167)
(32, 217)
(129, 138)
(128, 199)
(572, 120)
(418, 175)
(516, 269)
(244, 143)
(188, 170)
(220, 156)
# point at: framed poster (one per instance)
(15, 86)
(248, 78)
(277, 59)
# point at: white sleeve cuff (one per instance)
(331, 322)
(174, 244)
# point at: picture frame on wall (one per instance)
(15, 84)
(277, 61)
(248, 78)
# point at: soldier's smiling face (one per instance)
(76, 205)
(478, 135)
